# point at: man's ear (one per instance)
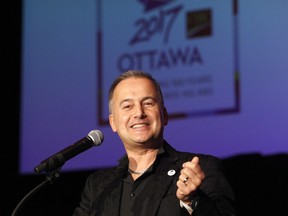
(165, 115)
(111, 122)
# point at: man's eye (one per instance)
(148, 104)
(126, 107)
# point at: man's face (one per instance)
(136, 112)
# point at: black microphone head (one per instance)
(96, 136)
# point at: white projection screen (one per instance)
(222, 65)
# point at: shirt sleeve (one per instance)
(186, 206)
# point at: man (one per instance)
(152, 179)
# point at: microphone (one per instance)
(94, 138)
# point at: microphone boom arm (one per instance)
(50, 179)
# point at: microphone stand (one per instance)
(50, 179)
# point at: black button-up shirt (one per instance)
(134, 193)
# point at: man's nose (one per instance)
(139, 111)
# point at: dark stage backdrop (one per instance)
(222, 66)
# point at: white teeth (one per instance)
(138, 125)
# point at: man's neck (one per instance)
(142, 159)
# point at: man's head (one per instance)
(136, 106)
(135, 74)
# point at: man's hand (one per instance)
(191, 177)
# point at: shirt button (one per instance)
(132, 194)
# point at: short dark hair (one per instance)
(136, 74)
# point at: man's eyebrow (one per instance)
(125, 100)
(150, 97)
(143, 99)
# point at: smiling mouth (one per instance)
(139, 125)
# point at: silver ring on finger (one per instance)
(185, 180)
